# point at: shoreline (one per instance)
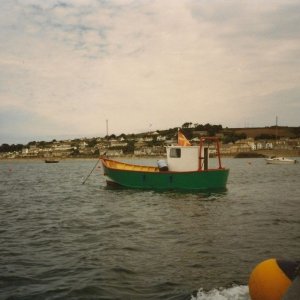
(266, 153)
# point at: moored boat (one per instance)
(280, 160)
(186, 168)
(51, 161)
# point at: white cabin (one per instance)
(186, 158)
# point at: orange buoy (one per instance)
(271, 278)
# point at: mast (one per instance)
(276, 128)
(107, 128)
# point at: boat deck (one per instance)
(128, 167)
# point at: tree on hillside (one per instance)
(265, 136)
(129, 148)
(188, 132)
(11, 148)
(187, 125)
(111, 137)
(296, 131)
(4, 148)
(92, 142)
(212, 130)
(33, 143)
(232, 138)
(123, 136)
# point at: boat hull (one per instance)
(189, 181)
(51, 161)
(280, 161)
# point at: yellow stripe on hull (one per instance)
(128, 167)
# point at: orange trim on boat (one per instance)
(112, 164)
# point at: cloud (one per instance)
(78, 63)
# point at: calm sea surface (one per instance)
(60, 239)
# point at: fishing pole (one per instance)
(91, 171)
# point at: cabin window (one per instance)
(175, 152)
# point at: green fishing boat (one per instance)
(186, 168)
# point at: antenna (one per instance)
(276, 127)
(107, 127)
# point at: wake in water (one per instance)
(233, 293)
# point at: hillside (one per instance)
(286, 132)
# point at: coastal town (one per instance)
(265, 141)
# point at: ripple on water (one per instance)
(64, 240)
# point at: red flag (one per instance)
(182, 140)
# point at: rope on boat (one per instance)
(91, 171)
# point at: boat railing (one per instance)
(203, 161)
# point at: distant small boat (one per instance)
(187, 168)
(51, 161)
(280, 160)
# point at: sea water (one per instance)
(61, 239)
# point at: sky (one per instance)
(67, 66)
